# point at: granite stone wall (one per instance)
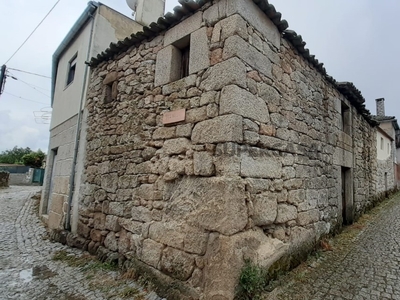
(256, 170)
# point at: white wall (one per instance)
(67, 98)
(385, 153)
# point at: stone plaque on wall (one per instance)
(174, 116)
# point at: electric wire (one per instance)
(24, 98)
(32, 32)
(31, 73)
(28, 84)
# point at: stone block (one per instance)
(168, 233)
(215, 13)
(99, 221)
(151, 252)
(196, 115)
(109, 182)
(234, 25)
(235, 100)
(55, 221)
(130, 225)
(57, 203)
(236, 46)
(269, 130)
(260, 164)
(183, 28)
(203, 164)
(141, 214)
(179, 85)
(177, 264)
(214, 204)
(286, 213)
(225, 258)
(124, 241)
(168, 65)
(257, 18)
(219, 130)
(343, 158)
(257, 185)
(116, 208)
(164, 133)
(184, 130)
(96, 236)
(296, 197)
(111, 223)
(199, 51)
(265, 209)
(176, 146)
(111, 242)
(308, 217)
(231, 71)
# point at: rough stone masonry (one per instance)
(271, 155)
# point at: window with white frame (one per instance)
(71, 69)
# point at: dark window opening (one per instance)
(346, 122)
(185, 62)
(71, 69)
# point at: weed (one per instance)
(252, 282)
(129, 292)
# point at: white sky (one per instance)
(356, 40)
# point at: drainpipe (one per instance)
(67, 225)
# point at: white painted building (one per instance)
(97, 27)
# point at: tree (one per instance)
(34, 159)
(14, 156)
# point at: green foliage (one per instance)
(14, 156)
(33, 159)
(252, 282)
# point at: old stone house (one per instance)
(96, 28)
(214, 136)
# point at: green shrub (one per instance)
(252, 282)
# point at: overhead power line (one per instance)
(32, 32)
(31, 73)
(24, 98)
(28, 84)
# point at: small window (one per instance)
(185, 61)
(382, 143)
(388, 148)
(71, 69)
(346, 125)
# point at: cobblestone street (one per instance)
(27, 270)
(364, 263)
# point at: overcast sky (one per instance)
(356, 40)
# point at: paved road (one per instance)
(27, 270)
(364, 267)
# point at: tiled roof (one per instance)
(188, 7)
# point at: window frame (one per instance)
(71, 70)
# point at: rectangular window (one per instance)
(346, 125)
(71, 69)
(185, 62)
(388, 148)
(381, 143)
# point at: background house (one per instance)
(97, 27)
(387, 148)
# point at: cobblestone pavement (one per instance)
(364, 262)
(27, 270)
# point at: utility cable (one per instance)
(24, 98)
(31, 73)
(32, 32)
(28, 84)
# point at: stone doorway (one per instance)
(347, 196)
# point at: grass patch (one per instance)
(129, 292)
(252, 282)
(71, 259)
